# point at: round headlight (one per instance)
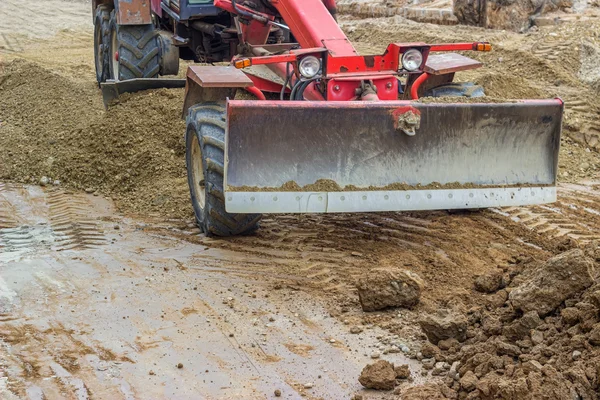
(309, 67)
(412, 60)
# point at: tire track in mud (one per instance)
(8, 216)
(15, 233)
(550, 47)
(581, 107)
(327, 253)
(73, 227)
(56, 362)
(575, 215)
(33, 219)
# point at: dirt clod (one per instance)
(402, 371)
(356, 330)
(595, 335)
(469, 381)
(489, 283)
(384, 288)
(445, 324)
(523, 326)
(546, 286)
(379, 375)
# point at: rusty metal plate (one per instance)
(134, 12)
(218, 76)
(439, 64)
(269, 143)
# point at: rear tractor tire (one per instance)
(456, 89)
(134, 51)
(205, 160)
(102, 43)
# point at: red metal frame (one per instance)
(156, 8)
(414, 89)
(266, 85)
(315, 29)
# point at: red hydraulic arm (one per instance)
(313, 25)
(315, 29)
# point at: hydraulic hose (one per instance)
(247, 14)
(302, 88)
(288, 76)
(257, 92)
(414, 89)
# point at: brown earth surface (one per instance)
(53, 125)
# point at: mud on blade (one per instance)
(486, 154)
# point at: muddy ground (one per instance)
(106, 286)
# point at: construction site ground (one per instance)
(109, 291)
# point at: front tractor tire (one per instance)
(205, 161)
(134, 51)
(102, 43)
(456, 89)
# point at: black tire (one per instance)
(138, 51)
(456, 89)
(205, 158)
(102, 43)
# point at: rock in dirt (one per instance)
(469, 381)
(356, 330)
(402, 371)
(503, 348)
(429, 350)
(379, 375)
(445, 324)
(447, 344)
(549, 284)
(592, 250)
(489, 283)
(425, 392)
(570, 315)
(595, 298)
(383, 288)
(594, 337)
(522, 327)
(428, 363)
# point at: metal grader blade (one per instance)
(298, 157)
(111, 89)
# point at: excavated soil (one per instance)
(55, 129)
(53, 126)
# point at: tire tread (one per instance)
(207, 122)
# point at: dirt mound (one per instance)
(511, 355)
(56, 128)
(514, 15)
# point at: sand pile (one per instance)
(55, 128)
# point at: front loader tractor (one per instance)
(330, 130)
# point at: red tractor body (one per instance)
(344, 132)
